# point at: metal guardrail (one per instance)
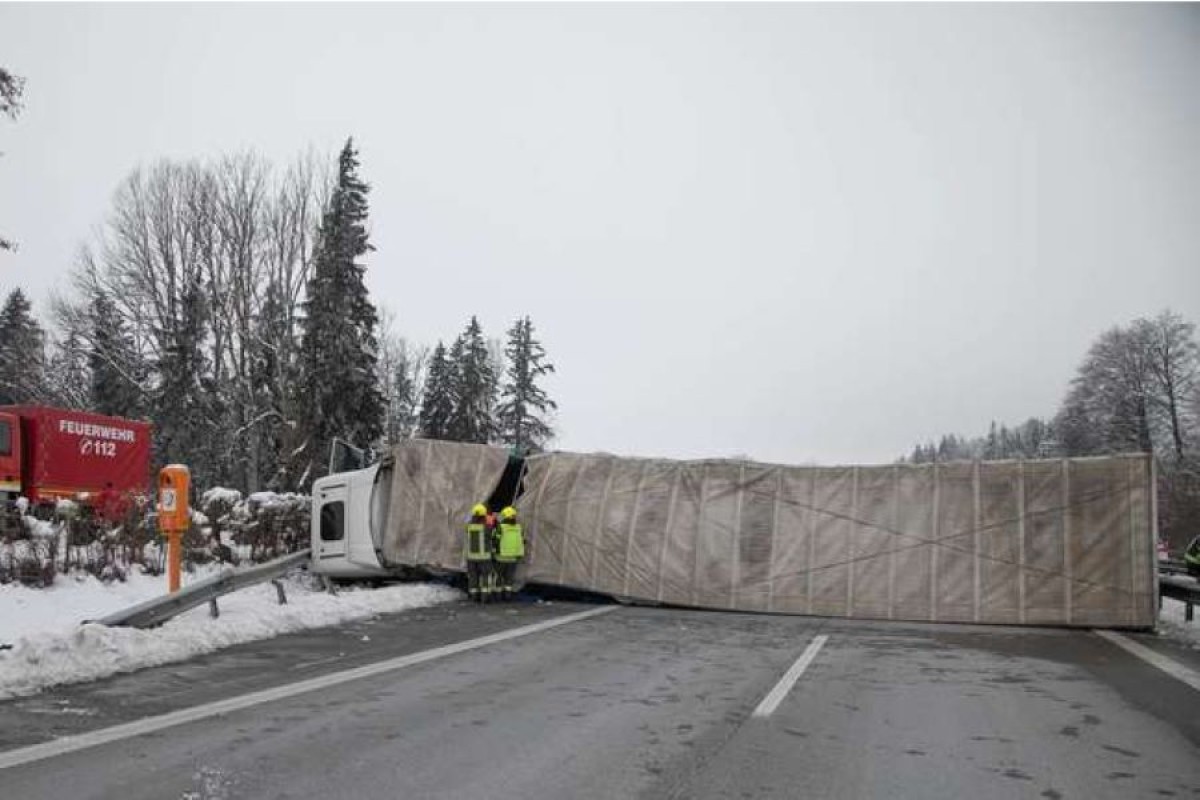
(1172, 566)
(153, 612)
(1186, 590)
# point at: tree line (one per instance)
(474, 392)
(225, 302)
(1137, 389)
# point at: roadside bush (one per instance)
(226, 528)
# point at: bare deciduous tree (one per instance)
(204, 265)
(1173, 361)
(402, 368)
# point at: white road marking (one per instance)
(70, 744)
(776, 695)
(1167, 665)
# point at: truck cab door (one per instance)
(329, 522)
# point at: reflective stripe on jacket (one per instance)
(477, 548)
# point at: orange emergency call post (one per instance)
(174, 483)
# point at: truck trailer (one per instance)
(51, 454)
(1038, 542)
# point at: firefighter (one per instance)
(479, 555)
(510, 548)
(1191, 557)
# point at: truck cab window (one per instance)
(5, 439)
(333, 518)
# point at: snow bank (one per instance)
(64, 652)
(40, 528)
(220, 494)
(61, 606)
(272, 501)
(66, 509)
(1171, 624)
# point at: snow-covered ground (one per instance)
(1171, 624)
(72, 599)
(50, 647)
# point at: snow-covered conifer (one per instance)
(524, 406)
(339, 348)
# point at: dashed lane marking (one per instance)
(71, 744)
(776, 695)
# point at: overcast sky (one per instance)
(799, 233)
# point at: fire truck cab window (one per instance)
(333, 516)
(5, 439)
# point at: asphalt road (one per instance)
(634, 703)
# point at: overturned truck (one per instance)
(1048, 542)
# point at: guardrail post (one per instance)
(213, 610)
(278, 584)
(1188, 612)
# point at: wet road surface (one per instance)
(638, 702)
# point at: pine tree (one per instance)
(182, 416)
(11, 88)
(277, 376)
(116, 372)
(339, 347)
(1035, 438)
(474, 387)
(524, 405)
(1008, 445)
(991, 445)
(68, 377)
(437, 405)
(22, 352)
(266, 367)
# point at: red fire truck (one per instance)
(48, 454)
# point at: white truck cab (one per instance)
(350, 513)
(349, 510)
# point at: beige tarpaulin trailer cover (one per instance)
(434, 486)
(1061, 542)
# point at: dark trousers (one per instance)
(479, 580)
(506, 571)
